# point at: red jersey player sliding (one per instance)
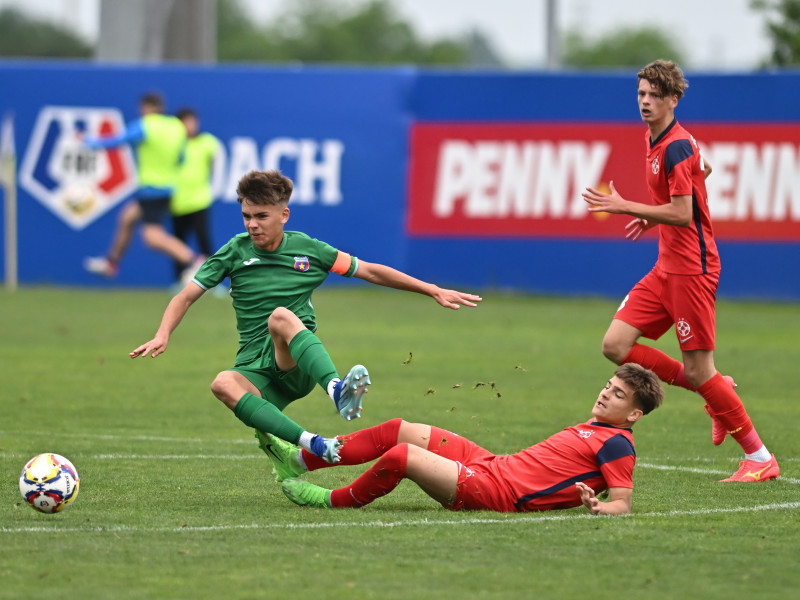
(681, 288)
(564, 471)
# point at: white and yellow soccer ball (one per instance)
(49, 482)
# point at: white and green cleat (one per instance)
(282, 455)
(349, 391)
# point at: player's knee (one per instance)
(613, 350)
(283, 323)
(279, 318)
(223, 389)
(395, 458)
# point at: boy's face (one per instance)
(654, 106)
(615, 404)
(264, 223)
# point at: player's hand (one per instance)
(588, 498)
(454, 299)
(154, 347)
(610, 202)
(636, 228)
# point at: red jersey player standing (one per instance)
(681, 288)
(565, 470)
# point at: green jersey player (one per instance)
(272, 274)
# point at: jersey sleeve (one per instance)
(616, 459)
(336, 261)
(216, 268)
(679, 158)
(132, 135)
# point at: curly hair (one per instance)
(647, 391)
(265, 187)
(666, 76)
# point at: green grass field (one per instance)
(176, 500)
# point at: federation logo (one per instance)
(301, 263)
(76, 183)
(654, 164)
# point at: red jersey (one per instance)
(674, 167)
(543, 476)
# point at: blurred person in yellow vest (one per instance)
(193, 195)
(159, 141)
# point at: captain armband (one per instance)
(344, 264)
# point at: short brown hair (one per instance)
(647, 390)
(666, 76)
(154, 100)
(265, 187)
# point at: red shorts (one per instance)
(478, 488)
(661, 299)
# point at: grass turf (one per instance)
(176, 500)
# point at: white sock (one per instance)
(305, 440)
(331, 385)
(760, 455)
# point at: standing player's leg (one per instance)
(725, 406)
(181, 228)
(108, 265)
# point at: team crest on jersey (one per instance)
(301, 263)
(78, 184)
(585, 434)
(655, 165)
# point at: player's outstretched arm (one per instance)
(678, 212)
(173, 315)
(619, 500)
(389, 277)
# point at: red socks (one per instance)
(361, 446)
(667, 368)
(726, 406)
(380, 479)
(723, 402)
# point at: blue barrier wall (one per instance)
(344, 133)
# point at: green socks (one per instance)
(258, 413)
(312, 357)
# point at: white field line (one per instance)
(258, 456)
(391, 524)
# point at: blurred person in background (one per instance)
(159, 142)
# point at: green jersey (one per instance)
(261, 281)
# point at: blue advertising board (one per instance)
(356, 142)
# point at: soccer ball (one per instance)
(49, 482)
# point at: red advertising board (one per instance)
(525, 179)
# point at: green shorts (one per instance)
(277, 387)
